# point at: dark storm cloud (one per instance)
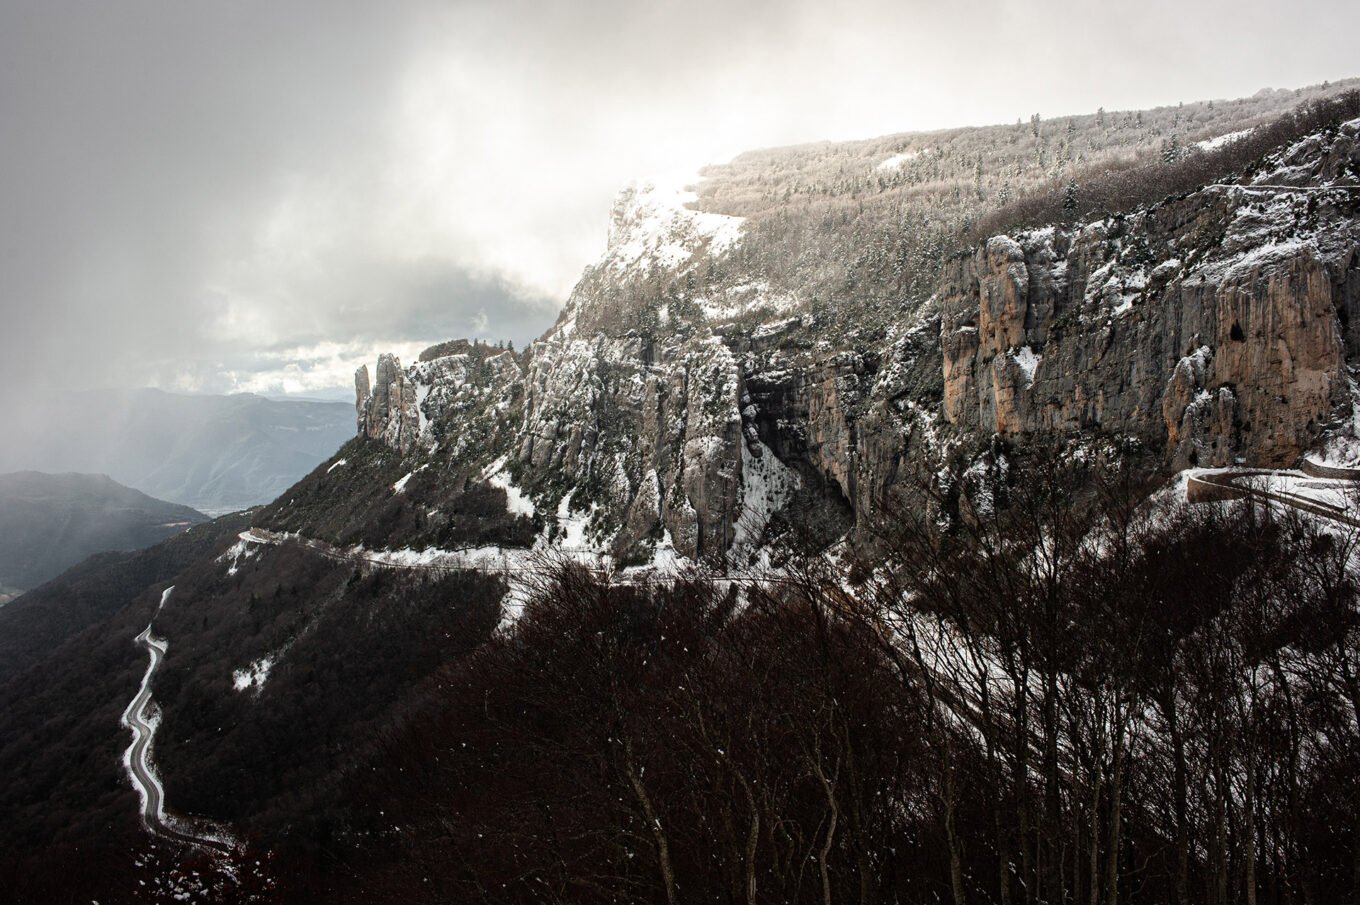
(260, 195)
(141, 142)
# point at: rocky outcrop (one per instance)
(389, 411)
(1212, 326)
(707, 471)
(656, 438)
(362, 394)
(678, 399)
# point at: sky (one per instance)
(261, 196)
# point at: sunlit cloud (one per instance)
(405, 173)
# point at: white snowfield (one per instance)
(517, 502)
(1028, 361)
(897, 160)
(254, 675)
(654, 224)
(137, 758)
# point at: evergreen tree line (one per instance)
(1113, 187)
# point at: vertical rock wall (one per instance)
(388, 411)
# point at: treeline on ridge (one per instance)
(855, 243)
(1097, 192)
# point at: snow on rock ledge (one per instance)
(651, 225)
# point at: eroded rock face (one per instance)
(362, 393)
(1279, 344)
(388, 411)
(1210, 328)
(656, 436)
(1003, 288)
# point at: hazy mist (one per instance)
(260, 196)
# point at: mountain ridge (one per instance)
(677, 363)
(50, 522)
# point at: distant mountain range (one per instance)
(50, 522)
(214, 453)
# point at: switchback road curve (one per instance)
(137, 757)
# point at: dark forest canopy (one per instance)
(1049, 690)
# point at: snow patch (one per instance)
(422, 419)
(739, 301)
(573, 525)
(238, 551)
(978, 478)
(1028, 361)
(897, 160)
(665, 559)
(400, 486)
(1213, 144)
(1342, 449)
(1267, 257)
(1165, 270)
(515, 500)
(254, 675)
(666, 562)
(767, 486)
(653, 223)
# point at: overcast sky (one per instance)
(240, 195)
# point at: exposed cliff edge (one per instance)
(1213, 326)
(682, 400)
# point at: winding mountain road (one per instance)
(1220, 485)
(137, 758)
(512, 562)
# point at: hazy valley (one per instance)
(49, 523)
(213, 453)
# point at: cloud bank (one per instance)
(259, 196)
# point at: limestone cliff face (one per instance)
(388, 411)
(1212, 326)
(681, 401)
(655, 439)
(363, 392)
